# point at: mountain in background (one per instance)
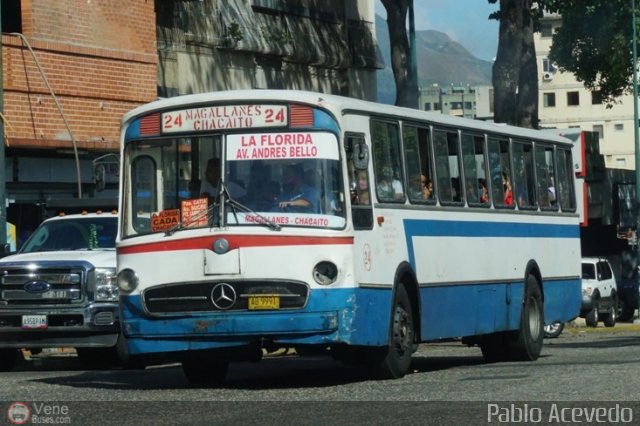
(440, 61)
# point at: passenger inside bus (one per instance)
(296, 195)
(484, 192)
(427, 188)
(389, 186)
(209, 186)
(508, 193)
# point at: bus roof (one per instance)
(339, 105)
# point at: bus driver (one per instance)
(295, 193)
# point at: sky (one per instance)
(464, 21)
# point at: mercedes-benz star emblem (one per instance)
(221, 246)
(223, 296)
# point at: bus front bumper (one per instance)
(328, 318)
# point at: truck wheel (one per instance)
(526, 344)
(592, 317)
(98, 358)
(625, 313)
(610, 318)
(9, 358)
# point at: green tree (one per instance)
(515, 74)
(406, 80)
(594, 43)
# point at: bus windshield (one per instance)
(249, 179)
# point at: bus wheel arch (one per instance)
(393, 360)
(406, 277)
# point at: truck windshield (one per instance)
(73, 234)
(266, 179)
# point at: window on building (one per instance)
(546, 29)
(11, 16)
(548, 65)
(596, 98)
(468, 105)
(436, 106)
(427, 106)
(573, 98)
(549, 99)
(618, 127)
(599, 129)
(456, 105)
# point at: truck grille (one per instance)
(41, 286)
(197, 297)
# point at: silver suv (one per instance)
(599, 292)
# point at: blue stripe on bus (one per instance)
(479, 229)
(133, 130)
(357, 316)
(322, 120)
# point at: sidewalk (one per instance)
(579, 325)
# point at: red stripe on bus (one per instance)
(235, 241)
(150, 125)
(301, 116)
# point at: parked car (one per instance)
(60, 290)
(599, 292)
(628, 298)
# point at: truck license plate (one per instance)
(34, 321)
(264, 302)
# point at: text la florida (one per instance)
(276, 139)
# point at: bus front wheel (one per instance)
(393, 361)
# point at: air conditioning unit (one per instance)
(547, 76)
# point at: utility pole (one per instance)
(636, 131)
(3, 198)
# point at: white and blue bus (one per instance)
(341, 226)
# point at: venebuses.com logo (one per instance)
(18, 413)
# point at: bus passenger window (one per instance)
(386, 159)
(448, 185)
(524, 178)
(417, 159)
(500, 171)
(545, 177)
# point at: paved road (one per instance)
(449, 383)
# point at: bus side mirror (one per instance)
(99, 176)
(360, 156)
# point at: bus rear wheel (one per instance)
(526, 344)
(393, 361)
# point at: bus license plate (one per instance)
(264, 302)
(34, 321)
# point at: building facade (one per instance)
(72, 68)
(461, 101)
(566, 103)
(211, 45)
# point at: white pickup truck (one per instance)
(60, 290)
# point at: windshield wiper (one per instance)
(183, 225)
(237, 205)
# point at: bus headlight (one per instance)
(127, 280)
(106, 289)
(325, 273)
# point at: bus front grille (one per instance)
(221, 296)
